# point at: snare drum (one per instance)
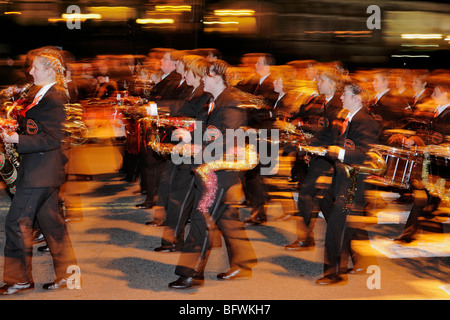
(402, 166)
(438, 173)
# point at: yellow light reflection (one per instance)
(220, 22)
(421, 36)
(229, 12)
(154, 21)
(173, 8)
(74, 16)
(12, 12)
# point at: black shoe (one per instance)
(330, 279)
(38, 238)
(14, 288)
(44, 248)
(187, 282)
(235, 273)
(169, 248)
(144, 205)
(55, 285)
(254, 222)
(155, 223)
(299, 245)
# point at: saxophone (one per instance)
(242, 159)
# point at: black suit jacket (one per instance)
(441, 127)
(41, 143)
(225, 115)
(362, 132)
(264, 90)
(318, 115)
(193, 105)
(389, 110)
(166, 88)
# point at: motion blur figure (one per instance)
(221, 114)
(426, 203)
(40, 176)
(322, 112)
(348, 144)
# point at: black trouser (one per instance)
(308, 196)
(418, 210)
(256, 193)
(180, 199)
(197, 246)
(151, 167)
(28, 204)
(341, 229)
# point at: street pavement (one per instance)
(117, 261)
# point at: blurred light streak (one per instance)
(408, 56)
(421, 45)
(74, 16)
(220, 22)
(173, 8)
(421, 36)
(155, 21)
(230, 12)
(12, 12)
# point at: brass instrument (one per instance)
(375, 165)
(243, 159)
(77, 131)
(175, 122)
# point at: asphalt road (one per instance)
(114, 249)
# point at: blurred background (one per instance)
(411, 34)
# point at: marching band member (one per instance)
(326, 109)
(425, 203)
(40, 175)
(347, 145)
(221, 114)
(177, 180)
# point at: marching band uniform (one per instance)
(425, 203)
(324, 113)
(178, 183)
(389, 110)
(194, 255)
(360, 132)
(40, 175)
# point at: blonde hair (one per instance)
(53, 57)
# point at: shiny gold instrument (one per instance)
(157, 123)
(242, 159)
(76, 129)
(375, 165)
